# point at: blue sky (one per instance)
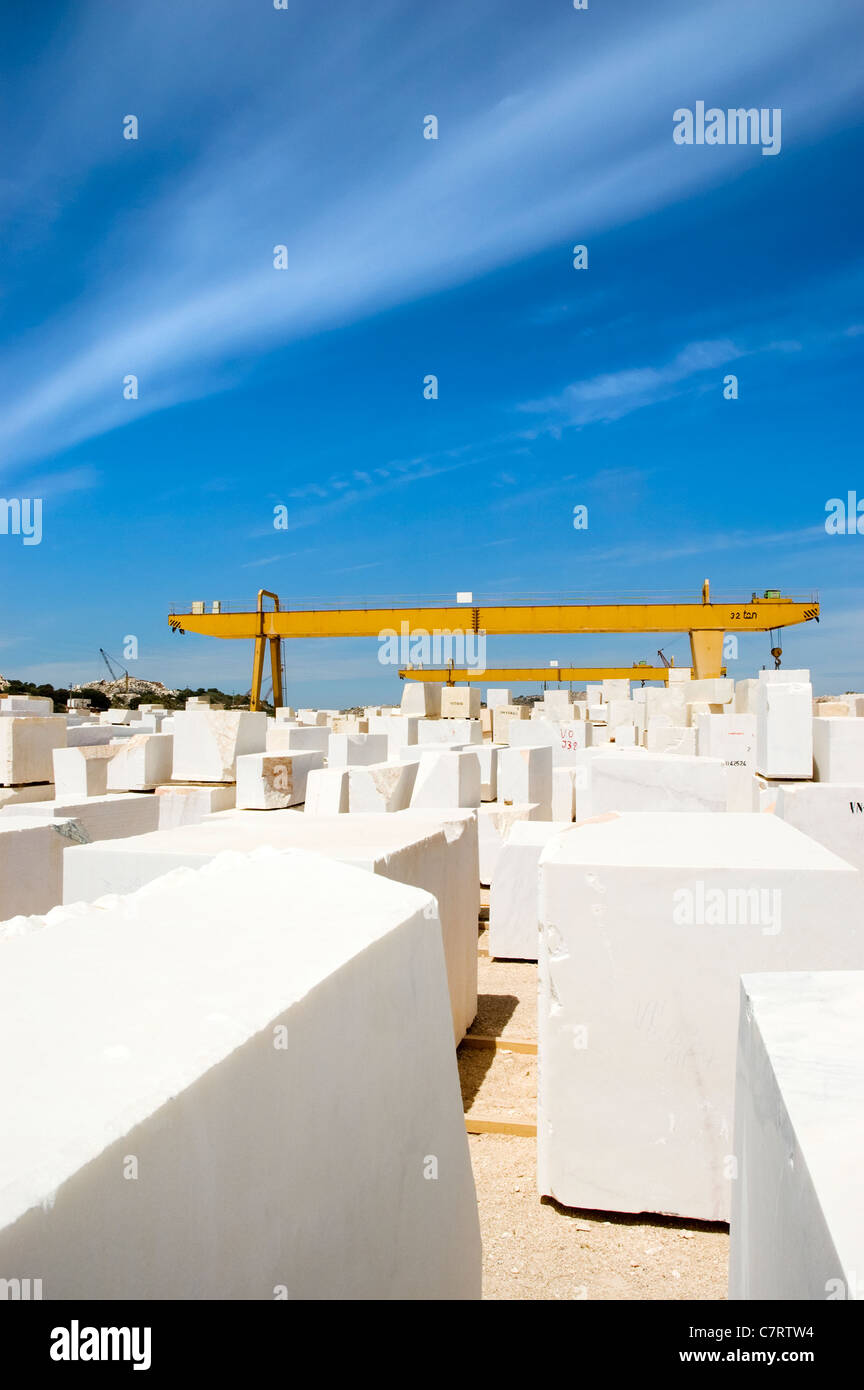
(407, 256)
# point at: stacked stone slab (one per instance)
(647, 922)
(271, 981)
(797, 1227)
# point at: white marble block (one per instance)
(716, 690)
(784, 728)
(109, 817)
(494, 820)
(838, 750)
(797, 1227)
(615, 690)
(207, 742)
(514, 921)
(625, 736)
(31, 862)
(647, 921)
(426, 849)
(355, 750)
(673, 739)
(525, 775)
(745, 696)
(502, 718)
(447, 779)
(141, 763)
(460, 702)
(10, 797)
(297, 738)
(203, 1020)
(494, 698)
(487, 755)
(559, 701)
(273, 781)
(565, 739)
(565, 781)
(644, 781)
(82, 771)
(179, 805)
(327, 792)
(730, 737)
(381, 786)
(285, 714)
(88, 735)
(26, 704)
(422, 698)
(312, 718)
(830, 812)
(27, 744)
(449, 731)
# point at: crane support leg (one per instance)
(706, 648)
(257, 673)
(276, 669)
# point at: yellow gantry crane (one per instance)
(513, 675)
(706, 622)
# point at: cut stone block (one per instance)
(525, 776)
(838, 750)
(327, 792)
(494, 698)
(830, 812)
(784, 728)
(447, 779)
(180, 805)
(625, 736)
(273, 781)
(460, 702)
(345, 724)
(26, 704)
(671, 739)
(141, 763)
(564, 739)
(745, 696)
(730, 737)
(208, 742)
(502, 717)
(422, 698)
(312, 718)
(449, 731)
(560, 700)
(437, 852)
(716, 690)
(494, 820)
(27, 744)
(514, 914)
(381, 787)
(797, 1229)
(831, 709)
(487, 753)
(644, 781)
(31, 862)
(10, 797)
(781, 677)
(298, 739)
(647, 921)
(118, 716)
(109, 817)
(82, 771)
(204, 1020)
(615, 690)
(353, 750)
(285, 714)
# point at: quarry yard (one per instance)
(579, 980)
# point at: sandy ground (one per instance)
(532, 1247)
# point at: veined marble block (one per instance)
(207, 743)
(644, 781)
(274, 781)
(141, 763)
(381, 786)
(179, 805)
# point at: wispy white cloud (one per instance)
(531, 154)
